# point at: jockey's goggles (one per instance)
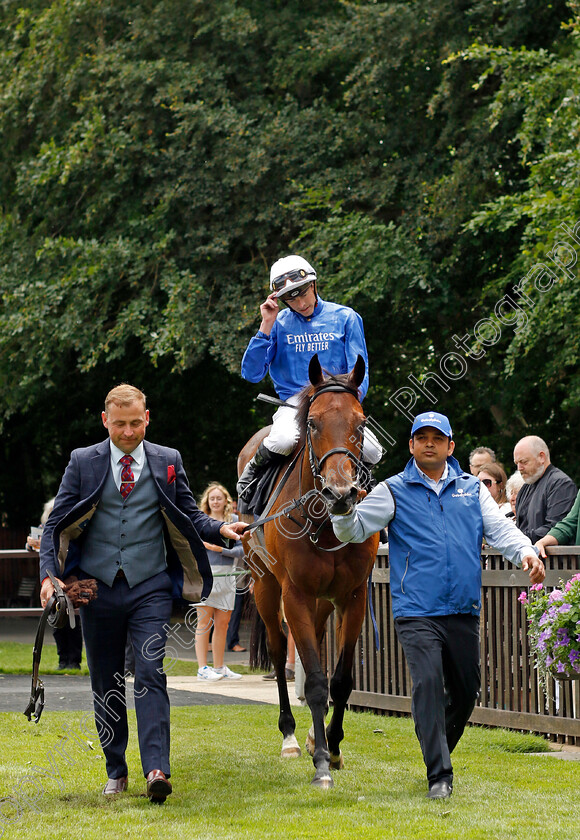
(297, 277)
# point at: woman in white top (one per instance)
(217, 608)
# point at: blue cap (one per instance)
(432, 418)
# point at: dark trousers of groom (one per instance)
(442, 653)
(145, 611)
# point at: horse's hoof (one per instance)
(290, 747)
(324, 781)
(336, 761)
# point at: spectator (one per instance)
(478, 457)
(547, 494)
(125, 510)
(513, 486)
(217, 608)
(493, 476)
(437, 516)
(566, 532)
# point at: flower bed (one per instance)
(554, 628)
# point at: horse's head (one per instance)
(333, 423)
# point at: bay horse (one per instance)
(295, 557)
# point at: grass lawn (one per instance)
(230, 783)
(16, 658)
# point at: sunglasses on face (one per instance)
(296, 293)
(488, 482)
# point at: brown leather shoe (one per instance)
(158, 786)
(115, 786)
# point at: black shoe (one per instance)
(247, 482)
(272, 675)
(440, 790)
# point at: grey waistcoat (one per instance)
(125, 534)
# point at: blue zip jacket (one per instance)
(333, 331)
(435, 544)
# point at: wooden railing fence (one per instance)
(511, 696)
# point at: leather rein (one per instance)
(57, 612)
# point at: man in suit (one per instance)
(133, 524)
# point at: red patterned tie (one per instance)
(127, 477)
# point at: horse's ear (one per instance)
(315, 371)
(357, 374)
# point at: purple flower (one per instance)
(564, 608)
(561, 667)
(556, 595)
(563, 637)
(574, 655)
(549, 660)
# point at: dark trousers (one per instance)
(145, 612)
(233, 636)
(69, 645)
(442, 653)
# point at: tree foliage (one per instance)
(156, 157)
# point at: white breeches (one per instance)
(284, 435)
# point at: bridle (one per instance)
(316, 462)
(58, 612)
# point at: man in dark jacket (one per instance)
(124, 515)
(548, 493)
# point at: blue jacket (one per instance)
(333, 331)
(435, 544)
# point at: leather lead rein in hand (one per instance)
(59, 609)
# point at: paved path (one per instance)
(73, 693)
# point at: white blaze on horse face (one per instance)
(335, 464)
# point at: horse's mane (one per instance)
(309, 391)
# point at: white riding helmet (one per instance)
(290, 274)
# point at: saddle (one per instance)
(262, 492)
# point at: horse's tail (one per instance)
(259, 655)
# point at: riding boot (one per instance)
(248, 480)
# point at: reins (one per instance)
(57, 612)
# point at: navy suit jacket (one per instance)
(79, 495)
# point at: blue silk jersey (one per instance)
(333, 331)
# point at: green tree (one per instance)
(156, 157)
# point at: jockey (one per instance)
(284, 345)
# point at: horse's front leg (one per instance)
(348, 630)
(267, 594)
(300, 613)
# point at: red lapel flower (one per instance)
(171, 474)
